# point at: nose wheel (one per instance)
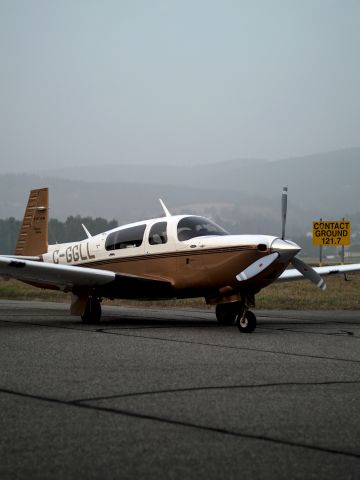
(246, 321)
(236, 312)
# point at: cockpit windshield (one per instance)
(191, 227)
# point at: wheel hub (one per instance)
(244, 322)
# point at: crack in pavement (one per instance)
(214, 345)
(219, 387)
(184, 424)
(189, 342)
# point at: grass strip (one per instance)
(302, 295)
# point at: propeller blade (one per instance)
(283, 211)
(309, 273)
(257, 267)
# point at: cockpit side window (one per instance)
(158, 233)
(191, 227)
(131, 237)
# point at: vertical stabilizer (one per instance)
(33, 235)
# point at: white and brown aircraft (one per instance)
(176, 256)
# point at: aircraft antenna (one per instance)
(88, 234)
(167, 213)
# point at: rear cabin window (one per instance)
(158, 233)
(131, 237)
(191, 227)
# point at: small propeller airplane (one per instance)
(175, 256)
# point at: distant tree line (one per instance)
(71, 231)
(59, 232)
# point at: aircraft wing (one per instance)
(64, 277)
(68, 278)
(293, 274)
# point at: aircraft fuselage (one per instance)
(203, 265)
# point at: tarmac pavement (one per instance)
(169, 393)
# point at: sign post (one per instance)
(335, 233)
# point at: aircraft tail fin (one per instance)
(33, 235)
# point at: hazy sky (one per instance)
(176, 81)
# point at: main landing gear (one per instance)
(92, 313)
(236, 312)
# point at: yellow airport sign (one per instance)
(331, 232)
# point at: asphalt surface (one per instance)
(154, 393)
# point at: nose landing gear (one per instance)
(246, 322)
(239, 313)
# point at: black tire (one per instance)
(226, 313)
(246, 324)
(92, 314)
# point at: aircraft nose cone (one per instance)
(285, 248)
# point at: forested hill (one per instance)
(325, 183)
(244, 196)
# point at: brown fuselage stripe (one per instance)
(153, 256)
